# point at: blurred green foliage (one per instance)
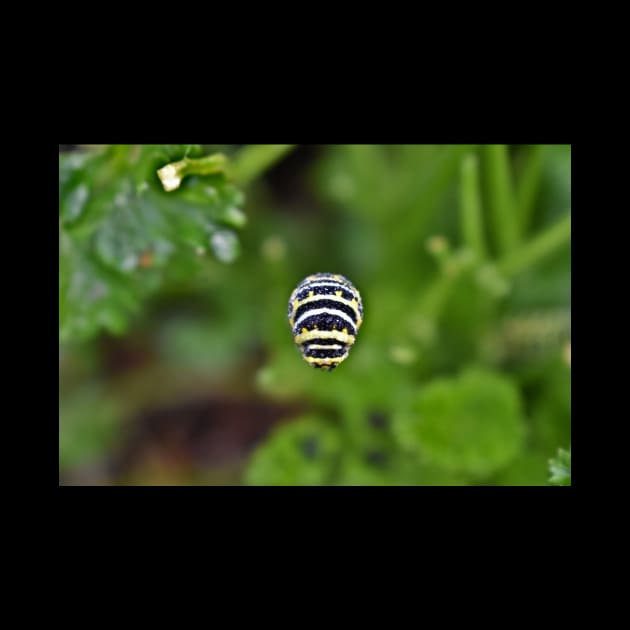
(120, 234)
(303, 452)
(91, 419)
(560, 468)
(461, 371)
(470, 424)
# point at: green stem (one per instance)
(436, 295)
(172, 174)
(501, 197)
(435, 298)
(538, 248)
(423, 197)
(246, 166)
(528, 186)
(254, 159)
(471, 214)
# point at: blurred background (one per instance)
(176, 361)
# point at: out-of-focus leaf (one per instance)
(560, 468)
(92, 296)
(527, 469)
(303, 452)
(471, 423)
(89, 422)
(375, 467)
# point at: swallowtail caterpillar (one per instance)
(325, 314)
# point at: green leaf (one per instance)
(92, 296)
(122, 237)
(135, 226)
(560, 468)
(374, 467)
(303, 453)
(471, 423)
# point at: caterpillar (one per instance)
(325, 314)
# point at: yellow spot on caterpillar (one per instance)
(324, 334)
(324, 361)
(345, 331)
(315, 326)
(311, 293)
(295, 304)
(338, 293)
(304, 330)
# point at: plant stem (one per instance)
(254, 159)
(471, 214)
(501, 197)
(432, 185)
(172, 174)
(248, 164)
(538, 248)
(528, 186)
(436, 295)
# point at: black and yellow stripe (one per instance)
(325, 314)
